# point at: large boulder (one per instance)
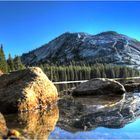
(27, 89)
(99, 86)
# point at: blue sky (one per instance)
(27, 25)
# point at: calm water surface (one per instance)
(130, 131)
(93, 117)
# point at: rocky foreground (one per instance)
(107, 105)
(27, 89)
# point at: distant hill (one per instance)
(107, 47)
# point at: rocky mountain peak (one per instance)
(106, 47)
(108, 33)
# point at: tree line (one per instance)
(71, 72)
(86, 72)
(11, 64)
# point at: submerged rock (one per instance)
(27, 89)
(13, 134)
(83, 114)
(99, 86)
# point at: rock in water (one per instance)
(27, 89)
(99, 86)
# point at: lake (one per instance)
(130, 131)
(90, 117)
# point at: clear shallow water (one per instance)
(130, 131)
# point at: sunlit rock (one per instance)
(3, 128)
(1, 73)
(13, 134)
(27, 89)
(99, 86)
(93, 112)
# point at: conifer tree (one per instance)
(85, 72)
(112, 74)
(18, 64)
(98, 74)
(10, 64)
(3, 63)
(42, 67)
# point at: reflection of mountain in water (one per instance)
(81, 114)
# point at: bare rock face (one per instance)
(27, 89)
(106, 47)
(99, 86)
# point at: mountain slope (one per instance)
(106, 47)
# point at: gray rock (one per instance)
(99, 86)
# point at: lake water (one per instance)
(100, 118)
(130, 131)
(93, 117)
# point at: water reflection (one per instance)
(34, 125)
(78, 117)
(84, 114)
